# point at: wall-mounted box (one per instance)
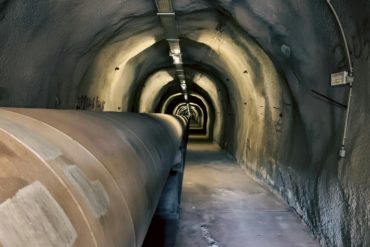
(341, 78)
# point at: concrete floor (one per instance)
(223, 207)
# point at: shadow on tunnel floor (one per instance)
(206, 152)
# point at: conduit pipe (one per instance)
(78, 178)
(342, 152)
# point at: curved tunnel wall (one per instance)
(269, 56)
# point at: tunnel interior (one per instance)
(258, 78)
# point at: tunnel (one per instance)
(184, 123)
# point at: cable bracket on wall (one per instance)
(343, 78)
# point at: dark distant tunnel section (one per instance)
(202, 114)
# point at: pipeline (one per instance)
(78, 178)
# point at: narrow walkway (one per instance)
(223, 207)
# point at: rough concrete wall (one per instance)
(353, 172)
(255, 89)
(331, 195)
(152, 90)
(277, 128)
(47, 46)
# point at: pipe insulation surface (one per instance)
(78, 178)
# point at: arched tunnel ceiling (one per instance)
(268, 57)
(119, 20)
(254, 87)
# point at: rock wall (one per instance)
(270, 60)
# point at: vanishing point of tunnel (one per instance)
(184, 123)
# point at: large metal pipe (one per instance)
(77, 178)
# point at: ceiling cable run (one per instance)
(166, 12)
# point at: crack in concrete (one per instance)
(207, 235)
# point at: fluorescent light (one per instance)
(176, 58)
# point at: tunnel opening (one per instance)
(160, 85)
(197, 119)
(202, 115)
